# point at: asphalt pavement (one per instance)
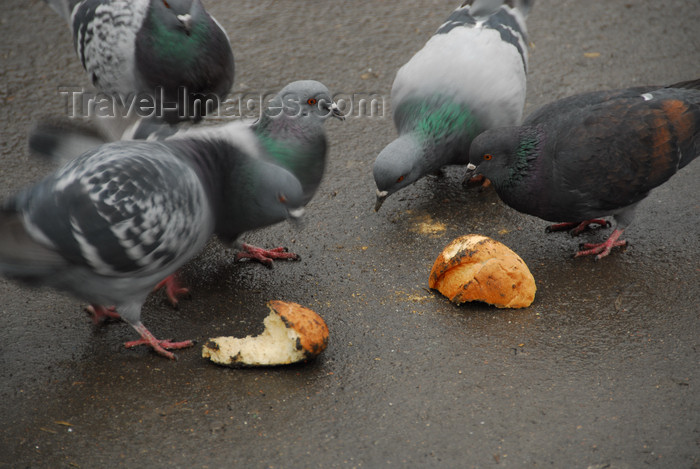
(602, 371)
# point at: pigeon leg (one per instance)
(161, 347)
(576, 228)
(173, 288)
(265, 256)
(101, 313)
(602, 249)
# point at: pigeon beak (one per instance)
(296, 213)
(381, 197)
(295, 217)
(336, 112)
(333, 110)
(471, 169)
(186, 21)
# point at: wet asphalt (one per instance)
(600, 372)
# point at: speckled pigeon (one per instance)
(170, 50)
(112, 223)
(592, 155)
(470, 76)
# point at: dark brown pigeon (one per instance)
(592, 155)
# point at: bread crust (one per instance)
(292, 333)
(478, 268)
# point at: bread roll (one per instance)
(477, 268)
(292, 333)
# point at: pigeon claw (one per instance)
(161, 347)
(173, 289)
(265, 256)
(101, 313)
(601, 250)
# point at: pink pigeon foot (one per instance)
(161, 347)
(576, 228)
(173, 289)
(101, 313)
(265, 256)
(602, 249)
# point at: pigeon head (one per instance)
(258, 194)
(307, 99)
(280, 195)
(397, 166)
(434, 132)
(178, 16)
(504, 155)
(291, 131)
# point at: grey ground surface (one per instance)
(600, 372)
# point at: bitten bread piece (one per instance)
(477, 268)
(292, 333)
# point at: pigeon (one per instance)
(592, 155)
(289, 133)
(113, 222)
(171, 53)
(470, 76)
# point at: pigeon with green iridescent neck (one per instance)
(592, 155)
(170, 51)
(470, 76)
(292, 134)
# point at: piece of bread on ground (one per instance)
(292, 333)
(478, 268)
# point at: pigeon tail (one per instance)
(690, 84)
(63, 7)
(62, 141)
(21, 257)
(489, 7)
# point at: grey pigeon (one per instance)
(470, 76)
(172, 51)
(290, 133)
(112, 223)
(592, 155)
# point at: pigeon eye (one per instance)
(401, 178)
(167, 5)
(282, 198)
(312, 101)
(488, 156)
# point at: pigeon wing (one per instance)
(125, 209)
